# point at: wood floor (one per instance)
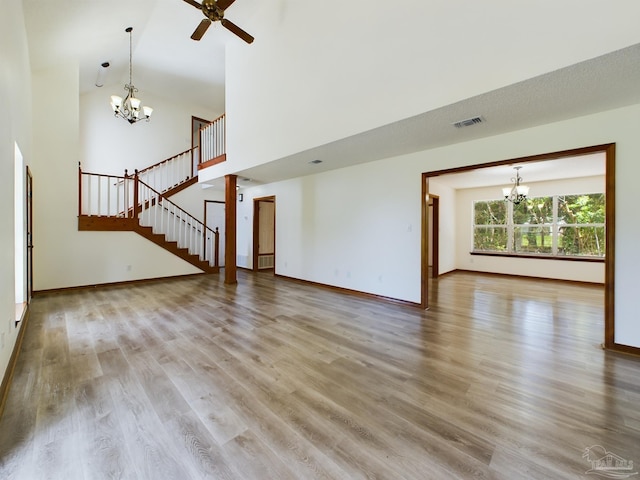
(271, 379)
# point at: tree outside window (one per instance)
(559, 225)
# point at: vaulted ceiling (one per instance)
(168, 63)
(165, 59)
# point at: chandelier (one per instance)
(517, 193)
(129, 108)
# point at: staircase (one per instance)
(140, 203)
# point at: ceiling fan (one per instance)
(214, 11)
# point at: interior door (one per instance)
(214, 218)
(264, 241)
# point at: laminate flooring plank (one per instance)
(438, 439)
(103, 453)
(190, 378)
(161, 391)
(264, 421)
(17, 438)
(254, 459)
(151, 448)
(199, 449)
(214, 413)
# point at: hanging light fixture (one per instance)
(517, 193)
(129, 108)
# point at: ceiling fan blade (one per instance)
(193, 3)
(224, 4)
(200, 29)
(232, 27)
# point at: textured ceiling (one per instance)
(600, 84)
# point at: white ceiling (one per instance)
(168, 63)
(603, 83)
(165, 60)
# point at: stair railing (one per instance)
(171, 172)
(102, 195)
(129, 197)
(177, 225)
(213, 139)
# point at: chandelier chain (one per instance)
(130, 107)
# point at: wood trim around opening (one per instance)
(609, 151)
(256, 229)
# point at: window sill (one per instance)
(540, 257)
(21, 309)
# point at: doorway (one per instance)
(23, 225)
(214, 217)
(264, 233)
(609, 262)
(196, 125)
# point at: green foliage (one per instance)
(580, 225)
(493, 212)
(580, 210)
(490, 239)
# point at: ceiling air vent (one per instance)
(468, 122)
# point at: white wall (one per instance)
(109, 144)
(353, 228)
(359, 227)
(314, 76)
(15, 120)
(447, 220)
(558, 269)
(192, 199)
(63, 256)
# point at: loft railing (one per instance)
(213, 140)
(128, 197)
(105, 195)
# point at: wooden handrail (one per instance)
(165, 199)
(215, 120)
(164, 161)
(131, 203)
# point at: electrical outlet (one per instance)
(128, 268)
(2, 340)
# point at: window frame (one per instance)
(554, 229)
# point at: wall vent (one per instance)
(266, 261)
(468, 122)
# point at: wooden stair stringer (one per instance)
(121, 224)
(181, 186)
(172, 247)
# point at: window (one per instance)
(559, 225)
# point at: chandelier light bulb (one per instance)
(129, 107)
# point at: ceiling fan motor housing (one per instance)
(212, 11)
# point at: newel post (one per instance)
(79, 189)
(216, 248)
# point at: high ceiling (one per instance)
(168, 63)
(165, 59)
